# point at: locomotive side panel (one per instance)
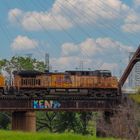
(2, 84)
(98, 82)
(88, 81)
(54, 83)
(75, 81)
(60, 81)
(31, 82)
(114, 82)
(2, 81)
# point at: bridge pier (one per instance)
(24, 121)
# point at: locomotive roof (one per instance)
(32, 73)
(81, 71)
(27, 73)
(94, 73)
(88, 71)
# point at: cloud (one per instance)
(92, 47)
(132, 22)
(66, 14)
(23, 43)
(43, 20)
(64, 62)
(89, 47)
(100, 53)
(69, 49)
(77, 63)
(15, 15)
(137, 3)
(110, 66)
(72, 63)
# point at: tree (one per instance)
(5, 120)
(46, 121)
(27, 63)
(85, 117)
(123, 124)
(2, 63)
(17, 63)
(65, 122)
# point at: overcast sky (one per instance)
(97, 33)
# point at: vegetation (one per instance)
(5, 119)
(16, 63)
(135, 97)
(5, 135)
(21, 63)
(80, 123)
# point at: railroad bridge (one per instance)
(23, 108)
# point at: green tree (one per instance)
(65, 122)
(17, 63)
(5, 119)
(3, 63)
(27, 63)
(22, 63)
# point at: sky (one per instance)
(77, 34)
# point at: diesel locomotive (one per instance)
(98, 83)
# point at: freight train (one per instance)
(98, 83)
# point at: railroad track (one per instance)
(57, 97)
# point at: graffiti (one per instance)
(41, 104)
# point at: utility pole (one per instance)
(47, 61)
(81, 66)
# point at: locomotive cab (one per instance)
(30, 82)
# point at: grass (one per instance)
(9, 135)
(135, 97)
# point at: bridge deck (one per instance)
(56, 103)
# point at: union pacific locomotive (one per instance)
(98, 83)
(2, 84)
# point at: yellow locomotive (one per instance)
(2, 84)
(98, 83)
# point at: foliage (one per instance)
(21, 63)
(123, 122)
(3, 63)
(4, 135)
(135, 97)
(138, 90)
(4, 120)
(14, 64)
(66, 122)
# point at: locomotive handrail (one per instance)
(133, 61)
